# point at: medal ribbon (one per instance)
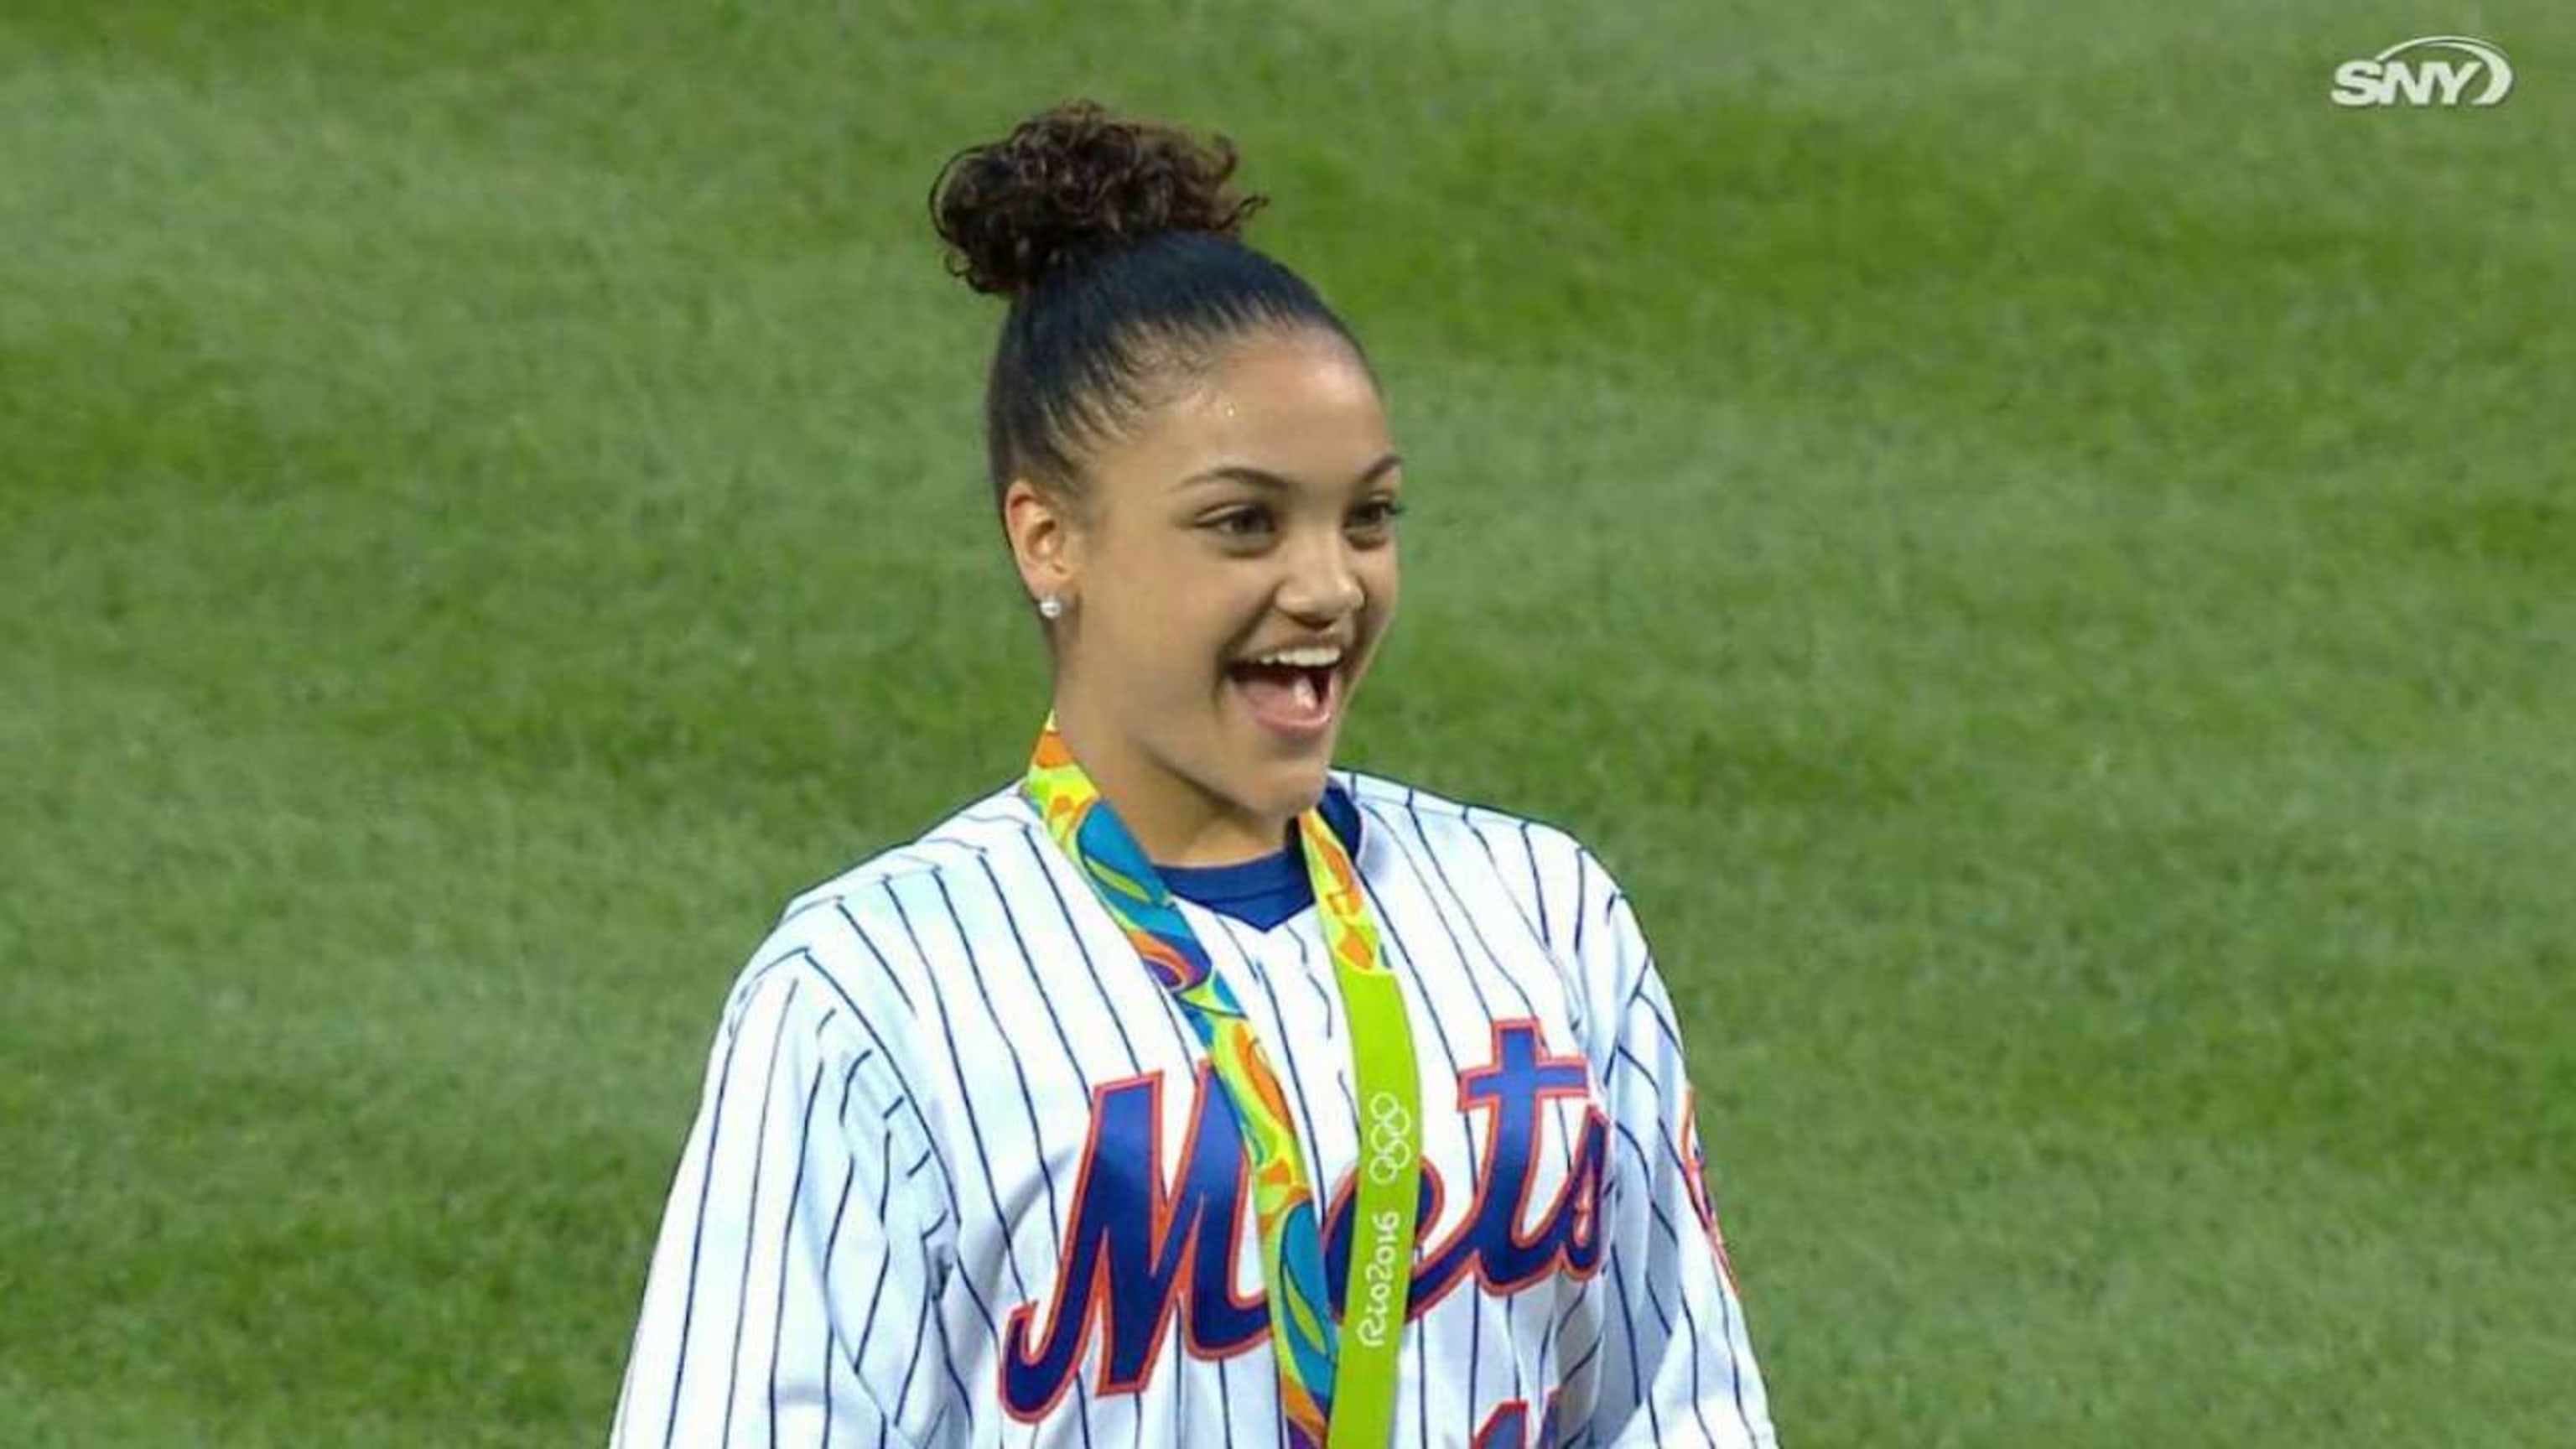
(1336, 1381)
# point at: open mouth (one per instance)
(1292, 700)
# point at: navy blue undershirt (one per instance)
(1263, 892)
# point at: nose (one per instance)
(1322, 587)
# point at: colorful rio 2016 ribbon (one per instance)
(1336, 1381)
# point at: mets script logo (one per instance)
(1146, 1257)
(2430, 70)
(1695, 1158)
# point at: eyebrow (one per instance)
(1264, 478)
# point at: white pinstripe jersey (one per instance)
(915, 1210)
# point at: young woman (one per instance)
(1185, 1090)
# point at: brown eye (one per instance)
(1227, 523)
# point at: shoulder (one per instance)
(995, 821)
(848, 949)
(1556, 882)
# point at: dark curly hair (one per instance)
(1118, 243)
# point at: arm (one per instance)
(794, 1279)
(1677, 1363)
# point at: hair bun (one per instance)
(1074, 181)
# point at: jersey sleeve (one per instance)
(795, 1276)
(1677, 1364)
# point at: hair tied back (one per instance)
(1072, 182)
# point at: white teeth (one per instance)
(1304, 658)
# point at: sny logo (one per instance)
(2390, 77)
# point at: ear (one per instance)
(1046, 542)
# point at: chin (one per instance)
(1294, 786)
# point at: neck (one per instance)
(1175, 820)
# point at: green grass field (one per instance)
(2041, 551)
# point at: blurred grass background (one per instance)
(2041, 551)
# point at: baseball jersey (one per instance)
(961, 1176)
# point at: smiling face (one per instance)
(1248, 514)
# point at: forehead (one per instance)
(1301, 407)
